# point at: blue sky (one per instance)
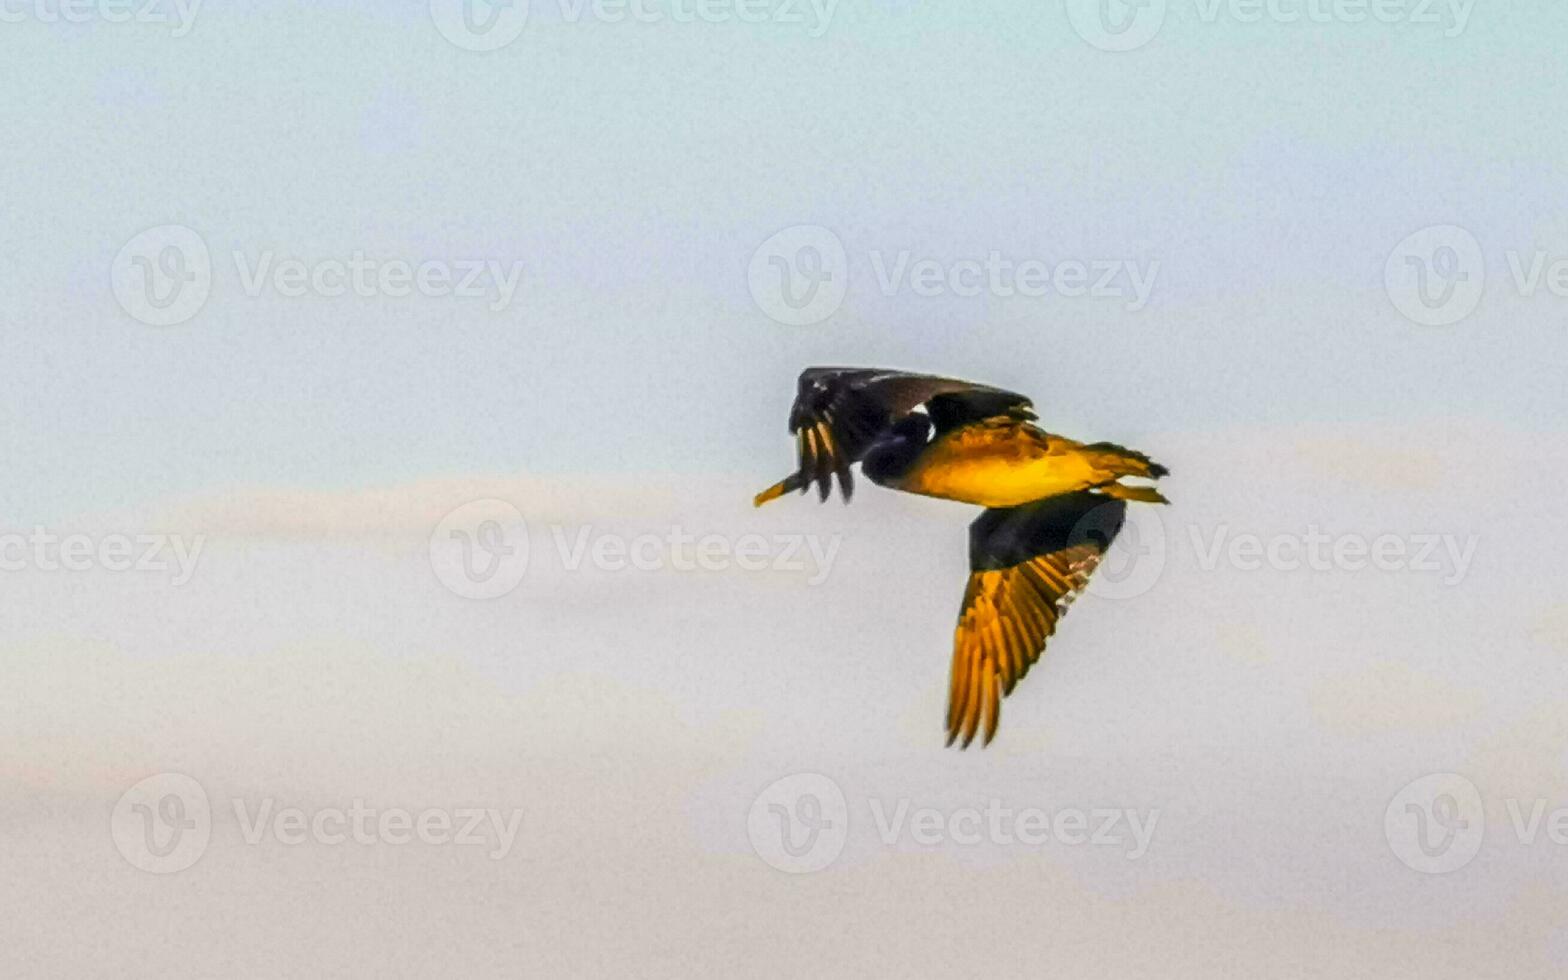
(632, 169)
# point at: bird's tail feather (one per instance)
(1126, 462)
(1147, 495)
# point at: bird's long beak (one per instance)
(772, 493)
(779, 489)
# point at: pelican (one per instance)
(1052, 505)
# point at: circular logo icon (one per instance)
(1436, 276)
(799, 824)
(163, 823)
(480, 25)
(1117, 25)
(1136, 557)
(480, 550)
(799, 276)
(1435, 825)
(163, 276)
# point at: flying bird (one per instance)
(1053, 505)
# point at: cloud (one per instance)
(1388, 697)
(415, 508)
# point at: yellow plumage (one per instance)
(1007, 463)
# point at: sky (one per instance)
(308, 311)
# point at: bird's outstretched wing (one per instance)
(839, 412)
(1026, 565)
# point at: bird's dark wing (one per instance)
(1026, 564)
(839, 412)
(950, 410)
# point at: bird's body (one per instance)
(1053, 505)
(1003, 462)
